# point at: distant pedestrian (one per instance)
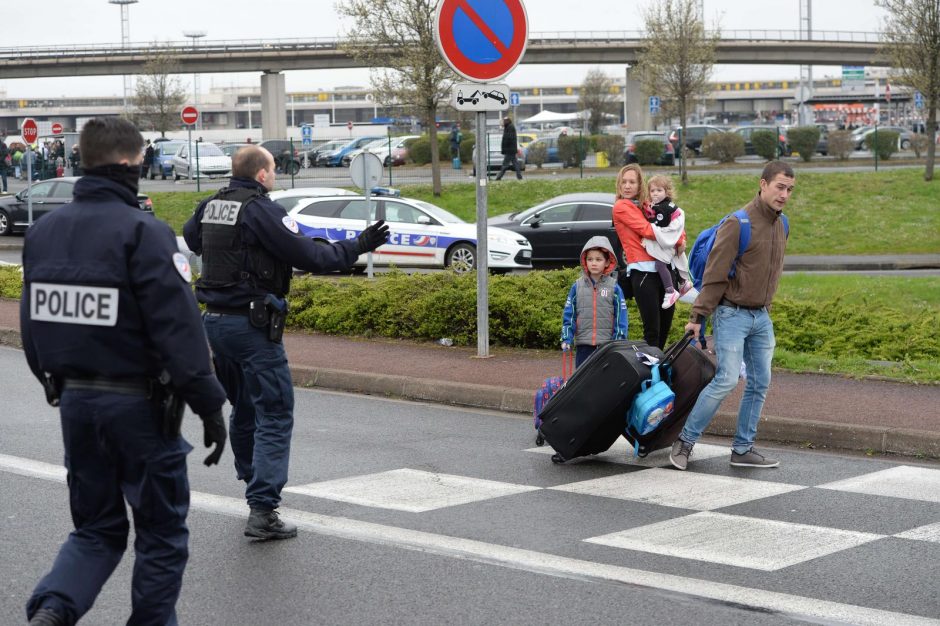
(6, 162)
(148, 160)
(75, 161)
(455, 138)
(669, 228)
(595, 311)
(743, 330)
(509, 149)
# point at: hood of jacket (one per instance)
(599, 241)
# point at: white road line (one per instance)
(528, 560)
(902, 481)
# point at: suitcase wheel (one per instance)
(557, 459)
(539, 440)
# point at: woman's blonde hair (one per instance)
(666, 183)
(642, 194)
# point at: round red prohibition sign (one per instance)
(479, 44)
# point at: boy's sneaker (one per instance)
(679, 457)
(670, 298)
(752, 458)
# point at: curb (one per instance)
(805, 433)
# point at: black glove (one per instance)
(372, 237)
(213, 427)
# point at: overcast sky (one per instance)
(66, 22)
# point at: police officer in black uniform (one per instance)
(249, 246)
(112, 330)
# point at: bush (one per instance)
(420, 150)
(613, 145)
(804, 140)
(723, 147)
(765, 144)
(841, 144)
(919, 143)
(887, 143)
(648, 151)
(537, 154)
(571, 150)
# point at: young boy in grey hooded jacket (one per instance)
(595, 311)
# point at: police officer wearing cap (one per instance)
(249, 246)
(112, 330)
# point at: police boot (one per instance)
(264, 524)
(47, 617)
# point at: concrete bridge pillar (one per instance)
(638, 104)
(273, 106)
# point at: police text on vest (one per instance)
(73, 304)
(221, 212)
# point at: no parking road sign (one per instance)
(482, 40)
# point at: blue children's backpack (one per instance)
(706, 241)
(652, 404)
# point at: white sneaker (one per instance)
(670, 298)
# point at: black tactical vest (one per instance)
(227, 260)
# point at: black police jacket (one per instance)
(263, 223)
(106, 293)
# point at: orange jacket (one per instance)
(631, 226)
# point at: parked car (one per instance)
(286, 158)
(163, 152)
(399, 150)
(203, 159)
(494, 155)
(372, 147)
(746, 132)
(334, 157)
(629, 154)
(421, 235)
(692, 136)
(905, 136)
(551, 150)
(47, 196)
(289, 198)
(558, 228)
(229, 149)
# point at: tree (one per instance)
(597, 96)
(912, 42)
(396, 39)
(677, 56)
(160, 95)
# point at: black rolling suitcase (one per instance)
(691, 370)
(588, 414)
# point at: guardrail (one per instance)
(332, 43)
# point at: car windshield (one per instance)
(207, 150)
(332, 145)
(378, 143)
(442, 215)
(170, 147)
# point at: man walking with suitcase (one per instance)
(737, 289)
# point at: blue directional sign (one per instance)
(514, 98)
(655, 104)
(918, 100)
(307, 134)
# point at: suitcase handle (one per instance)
(673, 352)
(567, 364)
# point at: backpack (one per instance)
(706, 241)
(654, 403)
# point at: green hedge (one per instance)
(765, 144)
(804, 139)
(648, 151)
(419, 150)
(887, 143)
(723, 147)
(613, 145)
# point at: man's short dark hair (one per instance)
(776, 167)
(109, 140)
(249, 160)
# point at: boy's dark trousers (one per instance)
(581, 353)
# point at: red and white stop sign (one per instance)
(349, 124)
(30, 131)
(189, 115)
(57, 129)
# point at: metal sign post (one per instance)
(366, 171)
(29, 184)
(465, 36)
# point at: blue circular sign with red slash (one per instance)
(482, 40)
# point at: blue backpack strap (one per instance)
(744, 237)
(786, 225)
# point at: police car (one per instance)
(421, 234)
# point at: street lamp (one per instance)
(194, 35)
(125, 37)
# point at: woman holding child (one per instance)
(632, 216)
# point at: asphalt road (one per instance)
(421, 514)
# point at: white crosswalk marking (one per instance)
(622, 453)
(931, 532)
(687, 490)
(903, 481)
(766, 545)
(409, 490)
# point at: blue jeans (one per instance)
(115, 451)
(740, 335)
(254, 372)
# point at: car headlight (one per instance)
(501, 239)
